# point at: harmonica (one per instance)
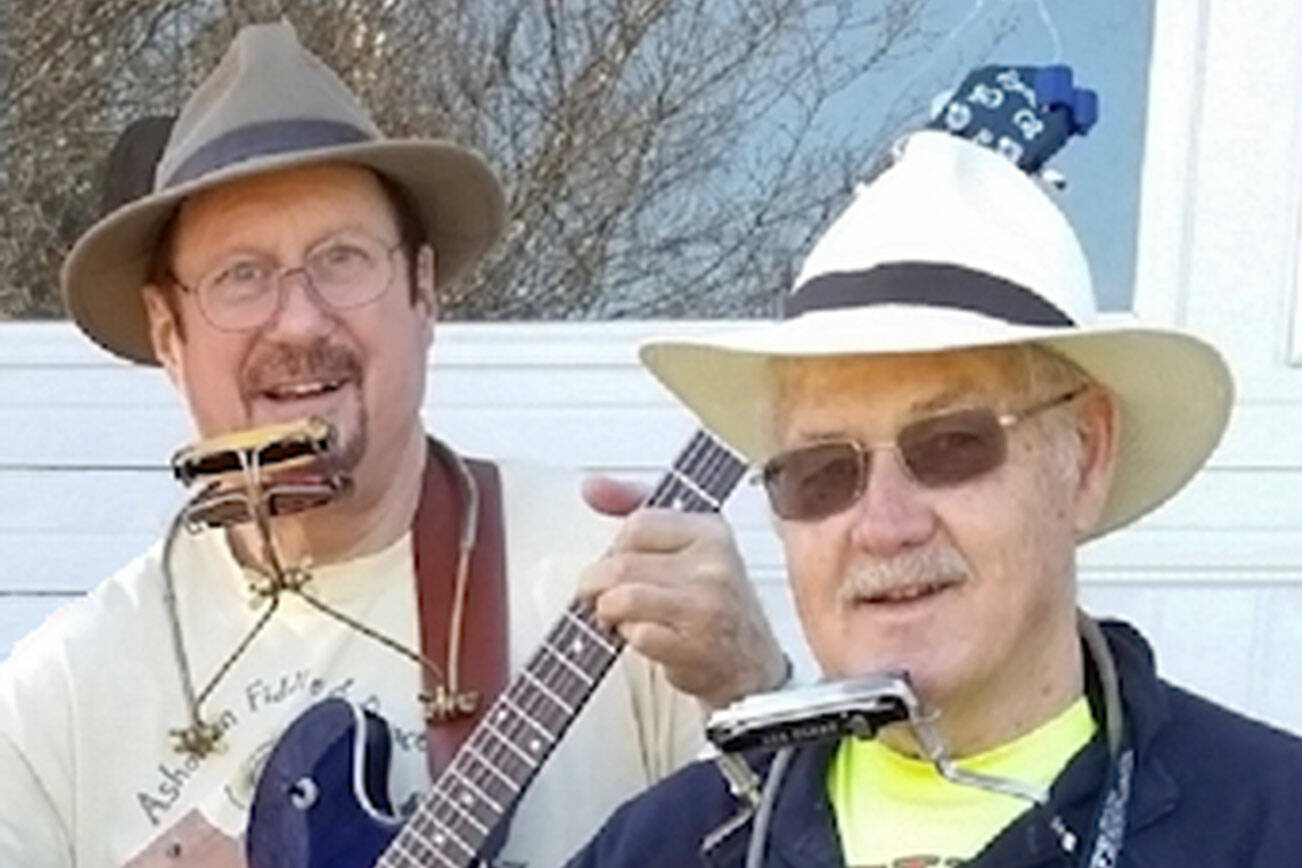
(834, 709)
(236, 467)
(282, 446)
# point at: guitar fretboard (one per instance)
(504, 752)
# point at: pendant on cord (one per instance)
(198, 740)
(445, 706)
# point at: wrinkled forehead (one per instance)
(883, 391)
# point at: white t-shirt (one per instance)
(88, 773)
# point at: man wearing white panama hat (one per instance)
(284, 266)
(940, 421)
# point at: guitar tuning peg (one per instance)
(939, 101)
(1053, 86)
(1084, 110)
(1055, 179)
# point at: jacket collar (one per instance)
(1144, 698)
(804, 825)
(1077, 794)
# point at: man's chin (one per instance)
(926, 677)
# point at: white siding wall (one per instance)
(1214, 577)
(1218, 573)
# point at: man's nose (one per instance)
(893, 514)
(301, 311)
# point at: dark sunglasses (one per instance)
(821, 479)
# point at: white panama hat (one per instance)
(953, 247)
(268, 105)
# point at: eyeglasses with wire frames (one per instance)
(343, 272)
(814, 481)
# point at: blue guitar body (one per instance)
(322, 800)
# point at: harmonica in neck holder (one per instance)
(241, 477)
(238, 472)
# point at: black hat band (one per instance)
(929, 284)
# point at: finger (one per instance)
(619, 568)
(656, 642)
(667, 531)
(650, 603)
(613, 496)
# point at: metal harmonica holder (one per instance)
(236, 474)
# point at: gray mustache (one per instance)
(934, 565)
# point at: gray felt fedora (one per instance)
(270, 104)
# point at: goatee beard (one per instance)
(270, 364)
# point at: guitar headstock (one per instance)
(1026, 113)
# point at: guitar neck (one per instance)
(503, 753)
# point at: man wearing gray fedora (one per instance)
(283, 267)
(941, 420)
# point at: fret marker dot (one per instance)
(535, 745)
(576, 646)
(439, 839)
(467, 799)
(501, 715)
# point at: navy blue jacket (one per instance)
(1210, 789)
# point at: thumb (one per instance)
(613, 496)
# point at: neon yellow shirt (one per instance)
(894, 811)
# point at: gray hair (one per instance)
(1049, 373)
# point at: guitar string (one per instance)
(705, 461)
(439, 809)
(534, 699)
(707, 464)
(705, 476)
(721, 474)
(491, 753)
(488, 754)
(710, 465)
(714, 464)
(722, 468)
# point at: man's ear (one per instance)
(1098, 427)
(426, 296)
(165, 334)
(425, 282)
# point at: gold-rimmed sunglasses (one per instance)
(814, 481)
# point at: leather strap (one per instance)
(436, 535)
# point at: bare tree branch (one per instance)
(661, 157)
